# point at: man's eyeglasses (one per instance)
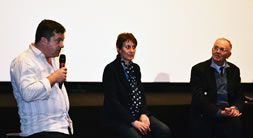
(216, 48)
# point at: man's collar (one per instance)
(217, 67)
(36, 51)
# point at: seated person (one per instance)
(217, 98)
(125, 108)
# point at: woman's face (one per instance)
(127, 51)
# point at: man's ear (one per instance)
(230, 53)
(44, 40)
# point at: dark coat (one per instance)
(204, 91)
(116, 94)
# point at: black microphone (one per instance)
(62, 61)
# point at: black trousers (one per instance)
(158, 130)
(216, 127)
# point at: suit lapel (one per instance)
(211, 80)
(211, 76)
(229, 78)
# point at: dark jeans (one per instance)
(50, 135)
(158, 130)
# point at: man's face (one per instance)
(55, 45)
(127, 51)
(221, 51)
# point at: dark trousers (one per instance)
(158, 130)
(216, 128)
(50, 135)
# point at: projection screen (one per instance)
(172, 35)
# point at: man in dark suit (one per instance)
(125, 109)
(217, 98)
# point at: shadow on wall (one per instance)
(162, 77)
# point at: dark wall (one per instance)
(88, 121)
(75, 87)
(89, 124)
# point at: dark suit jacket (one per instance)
(203, 87)
(116, 94)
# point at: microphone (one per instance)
(62, 61)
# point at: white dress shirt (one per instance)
(40, 106)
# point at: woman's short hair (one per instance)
(123, 37)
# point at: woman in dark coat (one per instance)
(125, 108)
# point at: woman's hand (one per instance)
(144, 118)
(142, 127)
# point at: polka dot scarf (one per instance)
(135, 93)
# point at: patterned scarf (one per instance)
(135, 93)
